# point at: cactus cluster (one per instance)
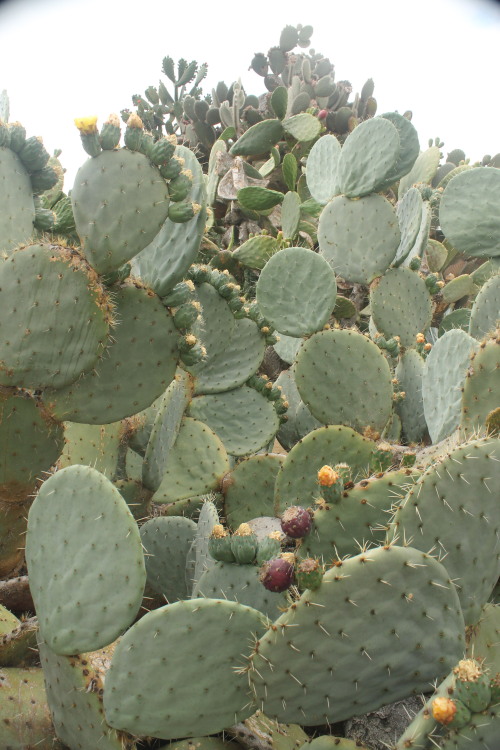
(249, 422)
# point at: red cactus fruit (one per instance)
(323, 114)
(277, 574)
(296, 522)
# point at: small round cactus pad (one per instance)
(167, 671)
(366, 637)
(85, 561)
(305, 297)
(401, 305)
(344, 378)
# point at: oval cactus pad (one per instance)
(167, 671)
(344, 378)
(85, 561)
(296, 291)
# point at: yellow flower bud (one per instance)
(444, 710)
(86, 125)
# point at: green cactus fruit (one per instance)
(80, 524)
(451, 713)
(180, 187)
(163, 150)
(472, 685)
(109, 137)
(120, 203)
(244, 544)
(219, 545)
(309, 574)
(73, 316)
(178, 633)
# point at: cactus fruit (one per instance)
(277, 574)
(296, 522)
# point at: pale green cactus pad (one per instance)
(409, 211)
(322, 169)
(120, 202)
(297, 482)
(481, 388)
(359, 238)
(92, 445)
(25, 719)
(304, 300)
(56, 317)
(411, 409)
(423, 170)
(452, 510)
(197, 642)
(485, 313)
(472, 226)
(442, 381)
(85, 561)
(371, 628)
(166, 541)
(358, 395)
(401, 305)
(250, 489)
(16, 199)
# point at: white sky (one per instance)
(73, 58)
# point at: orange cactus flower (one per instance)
(327, 476)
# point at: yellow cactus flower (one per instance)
(444, 710)
(86, 125)
(327, 476)
(420, 338)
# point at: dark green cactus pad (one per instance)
(411, 409)
(453, 511)
(92, 445)
(296, 482)
(30, 440)
(56, 317)
(199, 743)
(197, 461)
(120, 202)
(165, 429)
(25, 719)
(256, 251)
(303, 300)
(485, 313)
(249, 490)
(239, 583)
(137, 366)
(360, 518)
(170, 650)
(423, 170)
(16, 199)
(382, 625)
(401, 305)
(166, 541)
(322, 169)
(472, 226)
(18, 647)
(409, 212)
(85, 561)
(344, 378)
(481, 389)
(258, 139)
(243, 419)
(287, 434)
(359, 238)
(74, 692)
(459, 318)
(290, 214)
(369, 153)
(304, 127)
(443, 376)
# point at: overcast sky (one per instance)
(65, 59)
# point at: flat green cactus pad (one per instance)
(92, 445)
(74, 693)
(16, 199)
(452, 510)
(411, 409)
(442, 380)
(243, 419)
(120, 202)
(382, 625)
(344, 378)
(166, 541)
(164, 262)
(198, 558)
(359, 238)
(30, 440)
(409, 148)
(409, 211)
(322, 169)
(472, 226)
(484, 642)
(423, 170)
(56, 317)
(401, 305)
(303, 300)
(138, 365)
(169, 651)
(296, 482)
(485, 313)
(250, 489)
(25, 719)
(481, 388)
(85, 561)
(482, 732)
(196, 463)
(369, 153)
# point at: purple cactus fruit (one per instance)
(277, 574)
(296, 522)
